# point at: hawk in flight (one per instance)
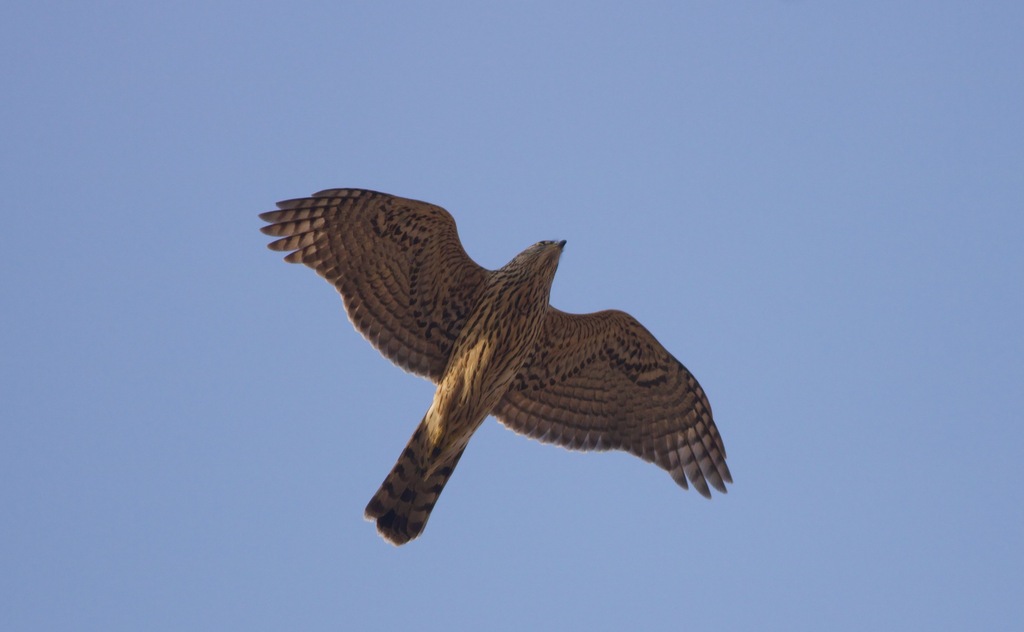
(494, 346)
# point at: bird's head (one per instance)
(539, 259)
(543, 254)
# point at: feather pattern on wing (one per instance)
(601, 381)
(407, 283)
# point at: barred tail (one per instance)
(403, 503)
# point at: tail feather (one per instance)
(404, 501)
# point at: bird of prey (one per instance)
(493, 344)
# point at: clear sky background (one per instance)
(817, 206)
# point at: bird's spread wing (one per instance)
(407, 283)
(602, 381)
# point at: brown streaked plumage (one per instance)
(494, 346)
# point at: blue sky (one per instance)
(818, 207)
